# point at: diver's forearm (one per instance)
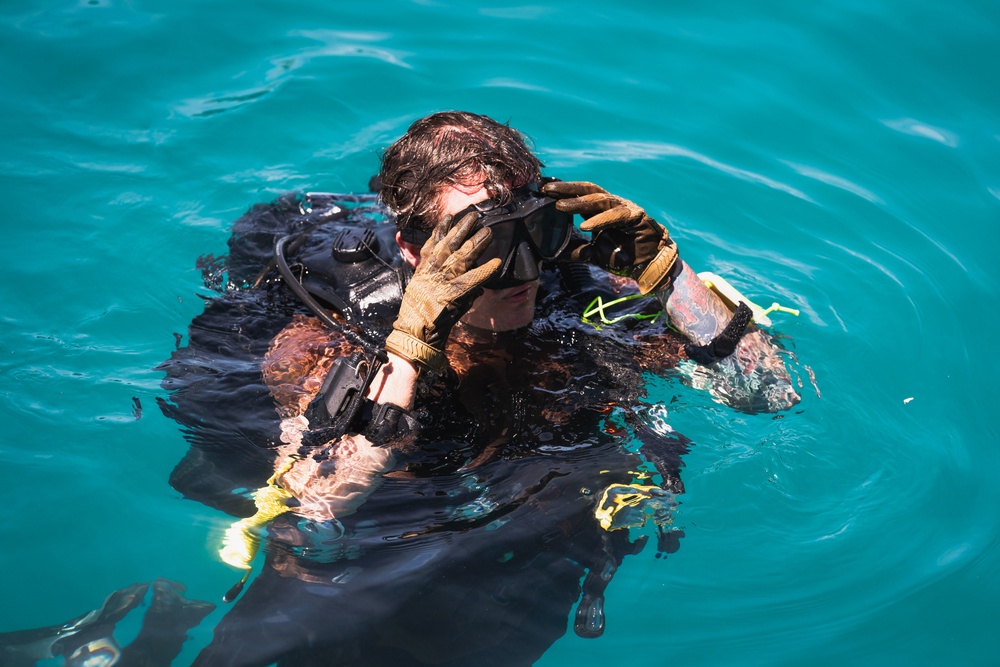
(693, 309)
(753, 377)
(395, 382)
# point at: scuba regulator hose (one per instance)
(342, 307)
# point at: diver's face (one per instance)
(497, 309)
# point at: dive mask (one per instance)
(526, 231)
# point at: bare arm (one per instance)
(754, 378)
(694, 310)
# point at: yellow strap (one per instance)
(732, 296)
(609, 507)
(242, 539)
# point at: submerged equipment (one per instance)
(242, 539)
(631, 505)
(599, 306)
(526, 230)
(731, 296)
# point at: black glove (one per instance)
(441, 291)
(625, 240)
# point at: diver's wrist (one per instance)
(396, 382)
(665, 291)
(388, 423)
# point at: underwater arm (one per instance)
(338, 476)
(329, 474)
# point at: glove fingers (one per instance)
(465, 257)
(460, 232)
(451, 241)
(561, 189)
(433, 244)
(588, 205)
(470, 280)
(618, 216)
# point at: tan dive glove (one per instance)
(443, 288)
(625, 240)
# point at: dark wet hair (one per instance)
(449, 148)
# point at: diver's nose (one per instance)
(525, 263)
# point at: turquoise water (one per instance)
(842, 157)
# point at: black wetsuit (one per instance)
(475, 548)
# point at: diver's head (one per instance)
(451, 162)
(449, 150)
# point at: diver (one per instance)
(450, 471)
(477, 221)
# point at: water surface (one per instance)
(840, 157)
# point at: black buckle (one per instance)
(339, 400)
(389, 424)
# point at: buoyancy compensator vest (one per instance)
(350, 264)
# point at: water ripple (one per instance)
(214, 104)
(351, 44)
(112, 168)
(501, 82)
(334, 43)
(918, 129)
(867, 260)
(522, 13)
(627, 151)
(835, 181)
(362, 141)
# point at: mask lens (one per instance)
(504, 239)
(530, 225)
(549, 229)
